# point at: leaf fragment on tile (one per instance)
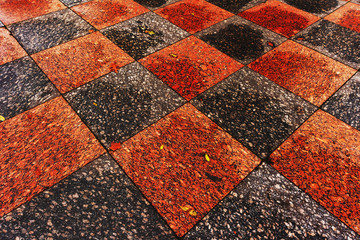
(173, 55)
(115, 146)
(2, 118)
(161, 147)
(193, 213)
(207, 157)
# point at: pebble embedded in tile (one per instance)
(333, 40)
(1, 24)
(345, 103)
(98, 201)
(236, 6)
(118, 105)
(185, 164)
(49, 30)
(23, 86)
(9, 47)
(254, 110)
(347, 16)
(240, 39)
(71, 3)
(268, 206)
(322, 158)
(143, 35)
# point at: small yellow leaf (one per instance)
(192, 213)
(150, 32)
(207, 157)
(173, 55)
(95, 104)
(193, 14)
(161, 147)
(185, 208)
(2, 118)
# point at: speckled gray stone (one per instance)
(97, 202)
(356, 1)
(145, 34)
(155, 4)
(1, 24)
(345, 103)
(241, 39)
(23, 86)
(49, 30)
(254, 110)
(236, 6)
(126, 102)
(71, 3)
(268, 206)
(333, 40)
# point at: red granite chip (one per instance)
(14, 11)
(79, 61)
(185, 164)
(323, 158)
(303, 71)
(347, 16)
(193, 15)
(39, 148)
(104, 13)
(279, 17)
(10, 49)
(190, 66)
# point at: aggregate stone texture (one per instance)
(23, 86)
(347, 16)
(79, 61)
(240, 39)
(279, 17)
(190, 66)
(356, 1)
(193, 15)
(104, 13)
(155, 4)
(254, 110)
(333, 40)
(10, 49)
(185, 164)
(145, 34)
(303, 71)
(320, 8)
(71, 3)
(236, 6)
(49, 30)
(268, 206)
(118, 105)
(345, 103)
(49, 143)
(15, 11)
(96, 202)
(322, 158)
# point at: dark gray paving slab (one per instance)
(333, 40)
(236, 6)
(71, 3)
(268, 206)
(241, 39)
(49, 30)
(23, 86)
(155, 4)
(320, 8)
(254, 110)
(119, 105)
(145, 34)
(96, 202)
(345, 103)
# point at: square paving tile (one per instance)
(118, 105)
(322, 158)
(96, 202)
(50, 142)
(279, 17)
(49, 30)
(268, 206)
(190, 66)
(333, 40)
(236, 6)
(345, 103)
(185, 164)
(347, 16)
(15, 11)
(10, 49)
(23, 86)
(74, 63)
(155, 4)
(240, 39)
(104, 13)
(303, 71)
(71, 3)
(193, 15)
(143, 35)
(254, 110)
(319, 8)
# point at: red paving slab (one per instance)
(190, 66)
(10, 49)
(323, 158)
(39, 148)
(193, 15)
(79, 61)
(12, 11)
(104, 13)
(347, 16)
(185, 164)
(303, 71)
(279, 17)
